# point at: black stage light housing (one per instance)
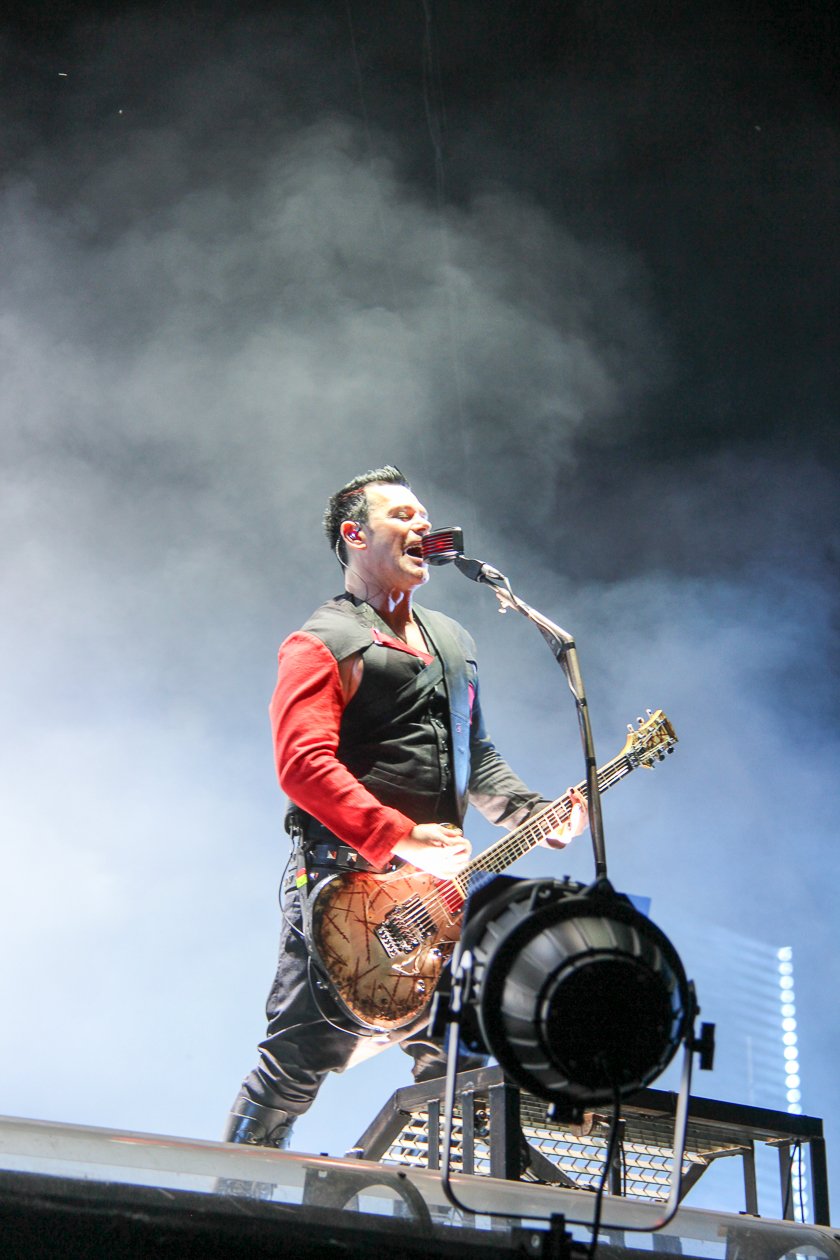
(577, 994)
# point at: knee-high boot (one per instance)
(257, 1125)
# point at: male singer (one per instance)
(379, 751)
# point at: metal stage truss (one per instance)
(86, 1193)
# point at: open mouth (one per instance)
(415, 550)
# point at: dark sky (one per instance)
(699, 142)
(572, 266)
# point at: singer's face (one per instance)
(392, 556)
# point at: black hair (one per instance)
(350, 504)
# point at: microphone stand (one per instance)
(565, 653)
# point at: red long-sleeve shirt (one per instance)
(305, 713)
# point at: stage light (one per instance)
(577, 994)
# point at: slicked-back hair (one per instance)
(350, 504)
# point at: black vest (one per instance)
(406, 733)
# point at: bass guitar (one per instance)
(381, 941)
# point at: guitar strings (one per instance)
(450, 895)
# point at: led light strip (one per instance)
(793, 1075)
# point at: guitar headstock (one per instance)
(650, 741)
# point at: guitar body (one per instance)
(382, 941)
(380, 991)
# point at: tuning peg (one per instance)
(641, 721)
(631, 728)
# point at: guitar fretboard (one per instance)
(507, 850)
(653, 739)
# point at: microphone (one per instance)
(443, 546)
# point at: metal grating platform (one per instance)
(499, 1131)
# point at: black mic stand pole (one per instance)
(565, 653)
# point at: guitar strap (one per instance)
(456, 679)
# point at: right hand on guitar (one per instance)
(437, 848)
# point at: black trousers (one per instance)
(307, 1035)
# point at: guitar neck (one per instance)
(544, 823)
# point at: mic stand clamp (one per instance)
(565, 653)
